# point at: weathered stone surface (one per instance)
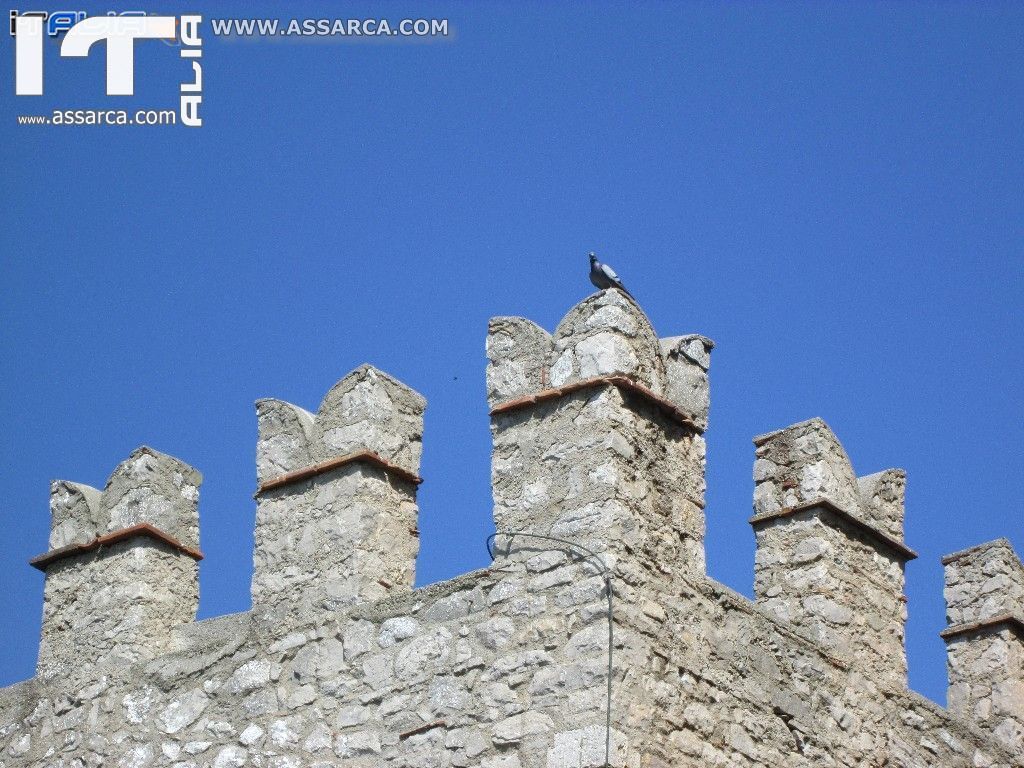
(152, 487)
(687, 360)
(819, 570)
(602, 467)
(120, 603)
(985, 599)
(507, 667)
(370, 409)
(606, 333)
(286, 434)
(518, 352)
(348, 534)
(982, 582)
(75, 514)
(882, 495)
(801, 464)
(182, 711)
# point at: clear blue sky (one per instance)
(832, 192)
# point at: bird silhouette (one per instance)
(604, 276)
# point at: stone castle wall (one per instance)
(595, 638)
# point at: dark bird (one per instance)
(604, 276)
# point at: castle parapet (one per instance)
(985, 639)
(336, 519)
(830, 552)
(598, 433)
(122, 567)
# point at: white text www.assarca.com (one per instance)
(329, 28)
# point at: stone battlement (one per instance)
(594, 639)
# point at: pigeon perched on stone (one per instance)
(604, 276)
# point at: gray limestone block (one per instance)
(802, 463)
(341, 661)
(116, 608)
(286, 433)
(347, 536)
(986, 683)
(836, 584)
(370, 410)
(152, 487)
(75, 514)
(700, 677)
(605, 334)
(517, 358)
(982, 582)
(687, 360)
(882, 497)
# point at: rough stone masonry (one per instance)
(598, 484)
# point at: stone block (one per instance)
(687, 361)
(517, 354)
(882, 497)
(122, 573)
(985, 639)
(800, 464)
(336, 518)
(606, 334)
(286, 434)
(830, 557)
(75, 514)
(602, 465)
(152, 487)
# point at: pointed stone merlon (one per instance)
(687, 361)
(605, 335)
(985, 639)
(122, 567)
(336, 519)
(830, 552)
(598, 432)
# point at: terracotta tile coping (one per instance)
(326, 466)
(142, 529)
(667, 407)
(894, 544)
(993, 622)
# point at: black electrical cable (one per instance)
(590, 557)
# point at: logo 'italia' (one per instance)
(120, 33)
